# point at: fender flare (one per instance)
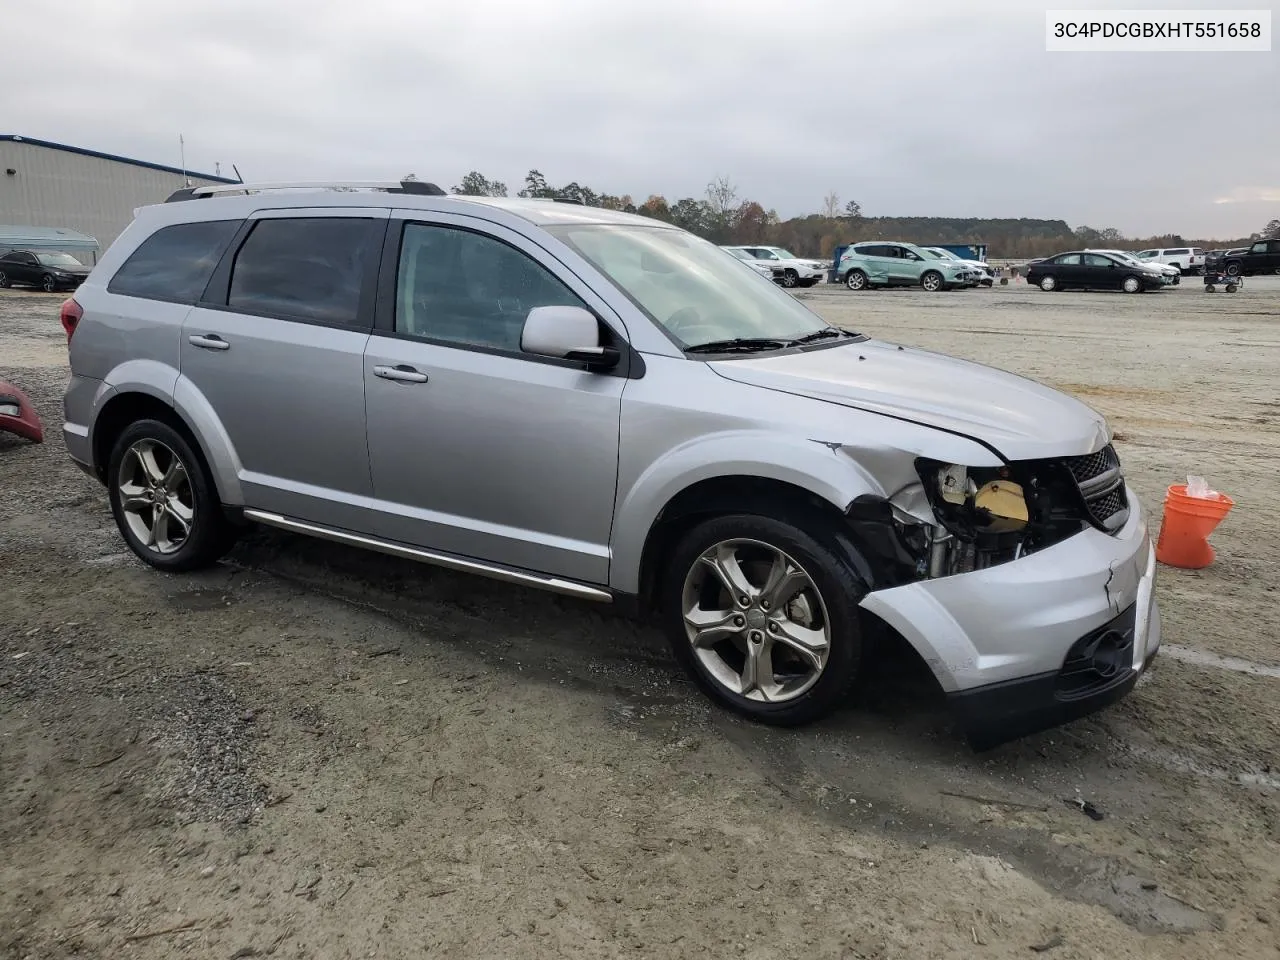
(807, 464)
(161, 382)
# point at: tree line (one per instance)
(722, 216)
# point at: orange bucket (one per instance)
(1188, 521)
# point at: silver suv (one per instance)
(610, 407)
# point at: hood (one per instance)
(1022, 419)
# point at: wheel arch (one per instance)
(185, 411)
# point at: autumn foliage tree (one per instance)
(722, 216)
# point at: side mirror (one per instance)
(567, 333)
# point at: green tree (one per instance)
(1272, 230)
(475, 184)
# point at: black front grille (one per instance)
(1101, 483)
(1093, 465)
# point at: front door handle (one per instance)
(402, 372)
(209, 341)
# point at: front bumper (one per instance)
(999, 640)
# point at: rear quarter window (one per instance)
(175, 262)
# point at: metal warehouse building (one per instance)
(53, 186)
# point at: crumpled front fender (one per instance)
(17, 415)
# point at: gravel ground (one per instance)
(311, 752)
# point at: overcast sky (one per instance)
(913, 108)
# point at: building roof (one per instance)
(18, 138)
(44, 238)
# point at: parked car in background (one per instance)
(796, 271)
(1082, 270)
(981, 271)
(881, 264)
(1263, 256)
(355, 365)
(763, 267)
(1172, 275)
(47, 269)
(1187, 259)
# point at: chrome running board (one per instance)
(495, 571)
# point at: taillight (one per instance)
(70, 316)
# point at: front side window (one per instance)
(687, 285)
(1096, 260)
(175, 262)
(304, 268)
(470, 289)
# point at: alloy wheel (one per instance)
(47, 284)
(756, 621)
(931, 282)
(156, 496)
(856, 280)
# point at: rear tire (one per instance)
(4, 281)
(855, 280)
(1232, 288)
(786, 656)
(164, 500)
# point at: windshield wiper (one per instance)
(823, 334)
(737, 345)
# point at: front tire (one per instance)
(163, 499)
(47, 283)
(790, 278)
(1131, 285)
(763, 617)
(931, 281)
(855, 280)
(1048, 283)
(1233, 269)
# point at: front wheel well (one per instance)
(720, 496)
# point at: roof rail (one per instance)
(418, 187)
(581, 203)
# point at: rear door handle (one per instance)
(402, 372)
(209, 341)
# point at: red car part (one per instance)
(17, 415)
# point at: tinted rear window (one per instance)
(306, 268)
(175, 262)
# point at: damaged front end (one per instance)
(959, 519)
(17, 415)
(1020, 636)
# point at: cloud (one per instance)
(955, 109)
(1251, 195)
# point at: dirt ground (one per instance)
(312, 752)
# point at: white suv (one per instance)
(1186, 259)
(796, 272)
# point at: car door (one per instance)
(26, 268)
(877, 261)
(1067, 269)
(1099, 272)
(477, 448)
(275, 352)
(902, 264)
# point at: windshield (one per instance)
(58, 260)
(689, 286)
(939, 254)
(782, 254)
